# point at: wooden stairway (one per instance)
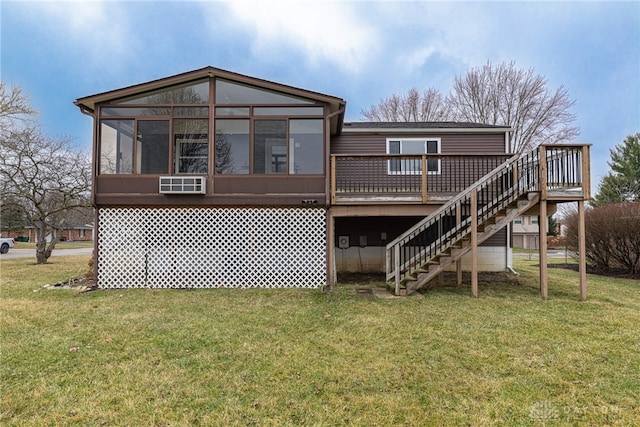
(464, 222)
(422, 275)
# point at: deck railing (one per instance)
(420, 178)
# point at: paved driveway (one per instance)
(551, 253)
(26, 253)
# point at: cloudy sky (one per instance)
(359, 51)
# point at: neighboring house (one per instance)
(526, 232)
(70, 232)
(76, 232)
(216, 179)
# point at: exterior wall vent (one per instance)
(183, 185)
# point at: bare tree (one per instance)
(428, 106)
(505, 95)
(224, 157)
(14, 105)
(500, 95)
(45, 179)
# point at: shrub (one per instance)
(612, 236)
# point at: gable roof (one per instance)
(87, 104)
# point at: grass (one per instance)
(59, 245)
(302, 357)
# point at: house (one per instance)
(74, 232)
(526, 232)
(216, 179)
(70, 232)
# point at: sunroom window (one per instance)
(235, 93)
(232, 146)
(270, 147)
(306, 146)
(152, 149)
(191, 149)
(188, 93)
(413, 165)
(256, 131)
(119, 148)
(288, 147)
(116, 146)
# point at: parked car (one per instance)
(5, 244)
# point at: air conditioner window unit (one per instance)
(183, 185)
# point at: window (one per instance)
(288, 111)
(256, 131)
(232, 146)
(188, 93)
(518, 220)
(120, 155)
(306, 153)
(270, 147)
(534, 220)
(235, 93)
(152, 147)
(116, 146)
(298, 151)
(191, 150)
(411, 146)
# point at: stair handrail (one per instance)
(532, 159)
(457, 198)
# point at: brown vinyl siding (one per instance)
(497, 240)
(269, 185)
(373, 227)
(133, 186)
(452, 143)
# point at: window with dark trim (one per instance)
(412, 165)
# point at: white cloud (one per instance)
(96, 31)
(324, 32)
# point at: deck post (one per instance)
(586, 173)
(542, 167)
(542, 227)
(396, 267)
(474, 243)
(582, 247)
(331, 251)
(424, 179)
(459, 260)
(333, 180)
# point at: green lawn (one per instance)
(59, 245)
(303, 357)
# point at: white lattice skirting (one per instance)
(211, 247)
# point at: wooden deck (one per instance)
(465, 217)
(560, 173)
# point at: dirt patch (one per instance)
(360, 278)
(80, 283)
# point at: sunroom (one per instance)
(238, 135)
